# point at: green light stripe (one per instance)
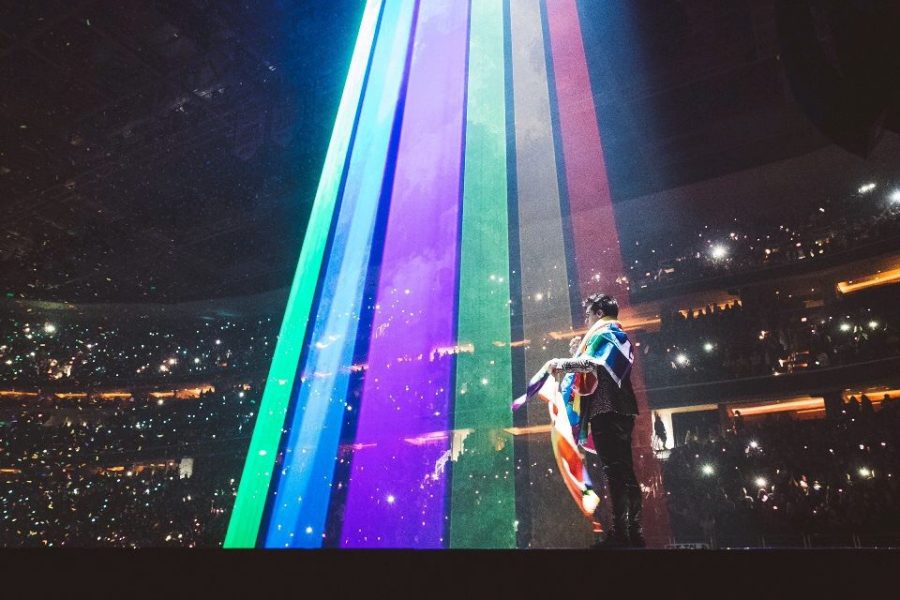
(250, 502)
(483, 509)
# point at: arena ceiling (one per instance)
(169, 151)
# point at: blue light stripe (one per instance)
(304, 486)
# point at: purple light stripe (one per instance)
(397, 488)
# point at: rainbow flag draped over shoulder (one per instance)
(608, 344)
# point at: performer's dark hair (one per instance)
(602, 302)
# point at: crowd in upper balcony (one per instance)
(735, 341)
(36, 352)
(829, 228)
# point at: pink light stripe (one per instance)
(598, 256)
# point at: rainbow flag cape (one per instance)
(610, 345)
(568, 459)
(606, 341)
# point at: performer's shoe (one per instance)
(635, 510)
(613, 541)
(636, 537)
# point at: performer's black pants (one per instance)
(612, 439)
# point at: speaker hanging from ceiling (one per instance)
(841, 59)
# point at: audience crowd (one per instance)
(135, 472)
(778, 480)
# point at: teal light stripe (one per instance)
(244, 525)
(483, 509)
(304, 485)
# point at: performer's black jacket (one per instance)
(608, 397)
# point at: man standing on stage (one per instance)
(610, 409)
(660, 429)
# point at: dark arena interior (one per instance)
(273, 273)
